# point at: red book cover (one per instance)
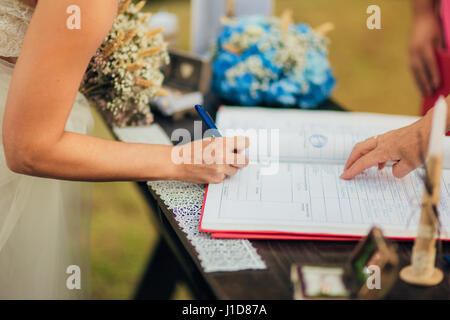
(274, 235)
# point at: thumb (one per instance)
(401, 169)
(237, 144)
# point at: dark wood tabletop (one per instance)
(273, 282)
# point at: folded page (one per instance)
(307, 136)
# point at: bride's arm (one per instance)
(44, 85)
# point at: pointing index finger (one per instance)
(365, 162)
(360, 150)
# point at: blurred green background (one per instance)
(371, 67)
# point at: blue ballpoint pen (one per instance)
(204, 115)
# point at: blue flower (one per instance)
(251, 20)
(251, 51)
(316, 66)
(224, 61)
(246, 93)
(305, 88)
(302, 28)
(283, 92)
(268, 60)
(317, 93)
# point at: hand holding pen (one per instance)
(212, 159)
(213, 131)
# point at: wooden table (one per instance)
(175, 258)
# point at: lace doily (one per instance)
(185, 200)
(14, 19)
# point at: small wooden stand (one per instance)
(422, 270)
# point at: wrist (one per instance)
(162, 167)
(172, 169)
(447, 100)
(425, 127)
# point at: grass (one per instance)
(122, 235)
(372, 71)
(371, 66)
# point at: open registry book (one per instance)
(301, 196)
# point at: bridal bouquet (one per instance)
(272, 61)
(125, 72)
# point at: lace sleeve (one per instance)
(14, 20)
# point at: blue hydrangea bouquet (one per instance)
(273, 62)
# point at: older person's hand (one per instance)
(426, 36)
(402, 146)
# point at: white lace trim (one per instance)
(185, 200)
(15, 17)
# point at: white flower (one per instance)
(121, 94)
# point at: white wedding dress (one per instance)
(43, 223)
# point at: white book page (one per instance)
(311, 198)
(311, 136)
(306, 195)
